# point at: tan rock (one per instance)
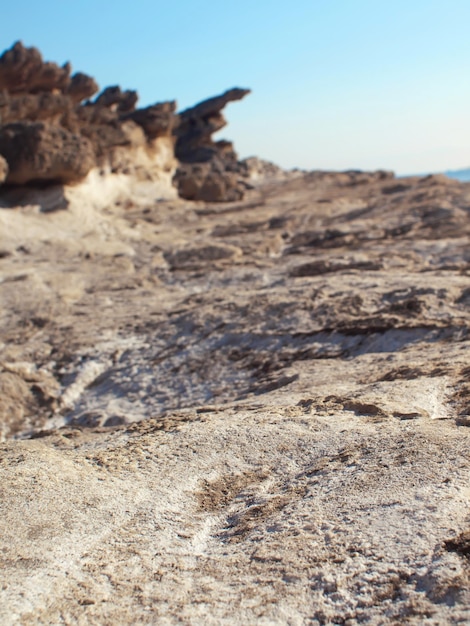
(200, 256)
(3, 169)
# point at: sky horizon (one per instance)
(344, 84)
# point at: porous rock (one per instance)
(36, 151)
(208, 169)
(156, 120)
(197, 124)
(3, 169)
(73, 137)
(81, 87)
(211, 181)
(22, 70)
(100, 131)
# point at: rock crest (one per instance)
(51, 132)
(209, 170)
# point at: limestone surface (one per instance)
(253, 412)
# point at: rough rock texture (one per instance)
(23, 70)
(209, 170)
(3, 169)
(39, 152)
(49, 134)
(209, 182)
(239, 414)
(256, 171)
(197, 125)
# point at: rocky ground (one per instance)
(239, 413)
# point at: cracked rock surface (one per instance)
(254, 412)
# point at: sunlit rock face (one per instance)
(3, 169)
(52, 133)
(204, 403)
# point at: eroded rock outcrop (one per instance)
(3, 169)
(209, 170)
(51, 132)
(48, 134)
(22, 70)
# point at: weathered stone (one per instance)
(47, 106)
(200, 256)
(36, 151)
(206, 109)
(81, 87)
(237, 415)
(121, 101)
(197, 125)
(208, 169)
(157, 120)
(32, 90)
(257, 170)
(3, 169)
(22, 70)
(208, 182)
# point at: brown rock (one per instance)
(74, 137)
(105, 137)
(3, 169)
(51, 131)
(197, 125)
(33, 107)
(81, 87)
(212, 106)
(208, 169)
(36, 151)
(200, 256)
(208, 183)
(22, 70)
(157, 120)
(121, 101)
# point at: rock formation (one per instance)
(3, 169)
(208, 170)
(48, 134)
(51, 132)
(40, 152)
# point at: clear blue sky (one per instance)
(336, 83)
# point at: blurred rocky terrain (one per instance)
(253, 411)
(246, 412)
